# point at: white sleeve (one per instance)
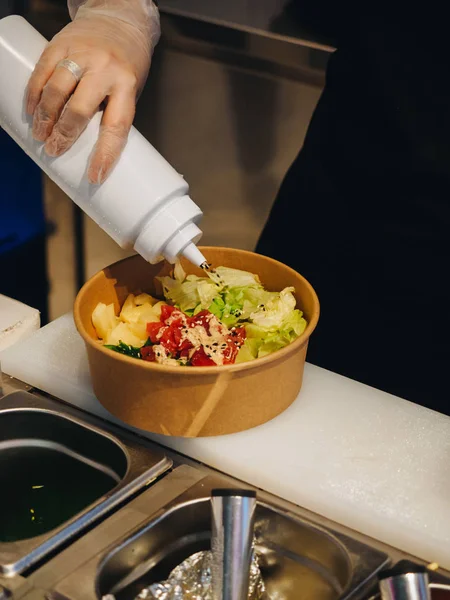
(142, 14)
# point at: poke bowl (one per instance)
(194, 398)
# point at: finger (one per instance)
(41, 74)
(116, 124)
(76, 115)
(54, 97)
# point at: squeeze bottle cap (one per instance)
(170, 231)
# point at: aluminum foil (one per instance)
(191, 580)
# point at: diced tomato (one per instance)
(176, 323)
(167, 340)
(202, 319)
(199, 359)
(148, 353)
(177, 335)
(238, 335)
(230, 353)
(153, 330)
(171, 337)
(166, 312)
(182, 344)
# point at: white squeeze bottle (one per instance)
(144, 203)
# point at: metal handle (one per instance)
(432, 586)
(440, 586)
(405, 586)
(233, 513)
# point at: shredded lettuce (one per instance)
(271, 314)
(237, 298)
(249, 350)
(189, 294)
(261, 341)
(235, 278)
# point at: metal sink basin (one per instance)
(59, 473)
(299, 560)
(294, 555)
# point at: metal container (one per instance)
(293, 552)
(48, 449)
(398, 584)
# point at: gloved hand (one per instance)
(112, 42)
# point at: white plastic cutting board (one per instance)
(17, 321)
(363, 458)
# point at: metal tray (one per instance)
(33, 427)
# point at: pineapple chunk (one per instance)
(131, 313)
(128, 308)
(104, 319)
(138, 329)
(138, 318)
(122, 333)
(146, 314)
(157, 309)
(131, 326)
(145, 299)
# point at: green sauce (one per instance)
(41, 488)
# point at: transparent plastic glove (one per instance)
(112, 42)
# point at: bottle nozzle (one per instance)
(193, 254)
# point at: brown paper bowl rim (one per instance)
(198, 371)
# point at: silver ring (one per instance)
(71, 66)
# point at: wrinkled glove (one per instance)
(112, 42)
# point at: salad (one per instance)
(224, 317)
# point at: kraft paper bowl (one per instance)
(193, 401)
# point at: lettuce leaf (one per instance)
(230, 278)
(249, 350)
(228, 306)
(237, 298)
(271, 314)
(191, 294)
(261, 341)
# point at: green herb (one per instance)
(125, 349)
